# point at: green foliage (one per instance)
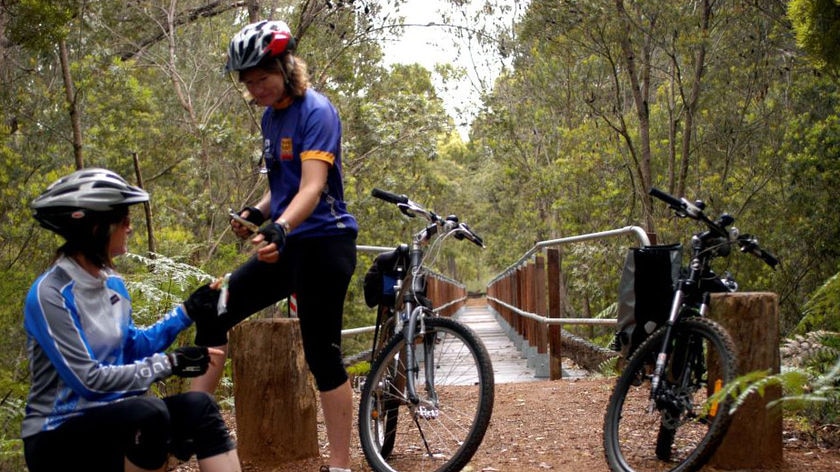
(792, 382)
(817, 27)
(815, 351)
(810, 389)
(555, 151)
(40, 24)
(162, 284)
(609, 367)
(359, 368)
(822, 310)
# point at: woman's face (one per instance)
(266, 87)
(118, 244)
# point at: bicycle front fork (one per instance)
(662, 357)
(411, 334)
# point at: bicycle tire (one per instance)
(386, 423)
(444, 436)
(687, 429)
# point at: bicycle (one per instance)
(663, 413)
(427, 401)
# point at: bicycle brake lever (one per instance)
(691, 209)
(476, 239)
(406, 210)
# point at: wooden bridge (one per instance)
(511, 363)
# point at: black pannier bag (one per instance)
(645, 293)
(382, 276)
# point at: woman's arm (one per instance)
(313, 178)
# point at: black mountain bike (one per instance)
(663, 414)
(427, 401)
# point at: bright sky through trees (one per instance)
(430, 45)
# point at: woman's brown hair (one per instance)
(92, 239)
(293, 69)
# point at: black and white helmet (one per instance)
(67, 201)
(258, 41)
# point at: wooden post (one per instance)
(555, 310)
(527, 304)
(754, 440)
(518, 299)
(275, 399)
(540, 303)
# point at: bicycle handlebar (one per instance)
(449, 224)
(679, 204)
(388, 196)
(747, 243)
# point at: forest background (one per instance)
(734, 102)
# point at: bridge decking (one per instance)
(509, 365)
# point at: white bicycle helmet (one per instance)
(258, 41)
(66, 202)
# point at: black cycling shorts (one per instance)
(144, 429)
(318, 272)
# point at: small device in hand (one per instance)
(248, 224)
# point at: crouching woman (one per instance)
(91, 366)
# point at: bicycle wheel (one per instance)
(385, 424)
(679, 428)
(442, 431)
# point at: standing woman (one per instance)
(308, 238)
(91, 366)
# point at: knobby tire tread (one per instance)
(645, 353)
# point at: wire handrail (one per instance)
(555, 321)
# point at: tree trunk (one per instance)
(73, 110)
(638, 74)
(693, 99)
(150, 231)
(275, 398)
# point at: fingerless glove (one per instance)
(254, 215)
(202, 304)
(274, 233)
(189, 361)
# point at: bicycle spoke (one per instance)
(443, 431)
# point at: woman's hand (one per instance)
(270, 241)
(217, 356)
(252, 216)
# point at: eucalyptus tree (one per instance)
(817, 27)
(605, 99)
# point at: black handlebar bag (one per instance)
(382, 276)
(645, 293)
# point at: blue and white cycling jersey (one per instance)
(84, 349)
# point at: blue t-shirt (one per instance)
(309, 128)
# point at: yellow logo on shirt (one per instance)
(286, 149)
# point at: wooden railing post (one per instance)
(517, 302)
(528, 306)
(539, 307)
(555, 310)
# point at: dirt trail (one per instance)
(555, 426)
